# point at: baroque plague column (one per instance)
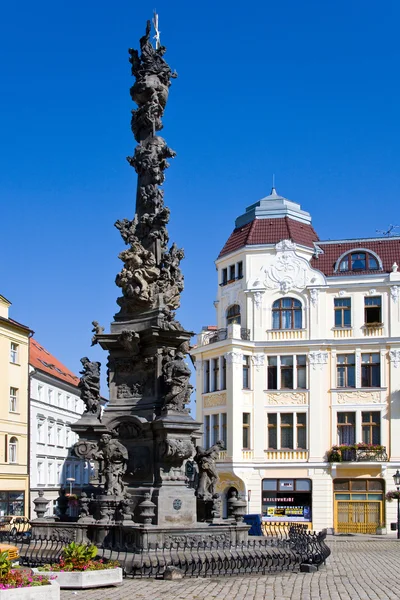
(145, 435)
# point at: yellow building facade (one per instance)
(14, 359)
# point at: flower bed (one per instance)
(87, 579)
(23, 584)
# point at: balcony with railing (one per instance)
(219, 335)
(357, 453)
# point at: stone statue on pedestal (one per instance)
(89, 386)
(115, 459)
(176, 375)
(208, 475)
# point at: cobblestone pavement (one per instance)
(358, 569)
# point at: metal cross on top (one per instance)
(155, 25)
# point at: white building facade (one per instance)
(301, 375)
(54, 405)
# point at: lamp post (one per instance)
(396, 479)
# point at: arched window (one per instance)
(286, 314)
(233, 315)
(12, 450)
(359, 260)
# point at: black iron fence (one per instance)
(282, 550)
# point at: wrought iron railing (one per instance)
(357, 454)
(222, 334)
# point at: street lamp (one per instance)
(396, 479)
(71, 480)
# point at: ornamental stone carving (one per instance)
(317, 358)
(288, 271)
(234, 357)
(258, 360)
(394, 357)
(394, 293)
(283, 399)
(214, 400)
(314, 296)
(359, 397)
(257, 299)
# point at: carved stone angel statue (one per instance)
(115, 459)
(89, 386)
(176, 379)
(97, 329)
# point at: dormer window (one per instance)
(359, 261)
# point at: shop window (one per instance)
(233, 315)
(286, 314)
(246, 372)
(346, 370)
(12, 503)
(371, 427)
(286, 500)
(342, 312)
(373, 310)
(246, 431)
(346, 426)
(370, 370)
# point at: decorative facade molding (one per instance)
(317, 358)
(286, 398)
(258, 360)
(314, 296)
(370, 292)
(215, 400)
(288, 271)
(342, 293)
(394, 357)
(234, 357)
(257, 296)
(394, 293)
(358, 397)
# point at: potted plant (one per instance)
(23, 584)
(381, 529)
(79, 568)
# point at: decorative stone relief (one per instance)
(359, 397)
(342, 293)
(258, 360)
(314, 296)
(257, 299)
(394, 357)
(287, 398)
(370, 292)
(288, 271)
(234, 357)
(318, 358)
(394, 293)
(214, 400)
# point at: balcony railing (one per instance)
(357, 453)
(222, 334)
(286, 455)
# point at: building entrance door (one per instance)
(358, 516)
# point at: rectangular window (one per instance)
(246, 372)
(240, 270)
(58, 473)
(50, 396)
(224, 277)
(286, 372)
(59, 399)
(206, 376)
(67, 471)
(67, 402)
(214, 429)
(40, 392)
(342, 312)
(301, 371)
(223, 381)
(232, 273)
(215, 363)
(14, 353)
(373, 310)
(301, 426)
(371, 427)
(272, 431)
(59, 435)
(13, 399)
(286, 430)
(223, 428)
(40, 472)
(370, 370)
(50, 474)
(346, 370)
(246, 431)
(68, 442)
(50, 434)
(346, 425)
(40, 430)
(77, 474)
(272, 373)
(207, 431)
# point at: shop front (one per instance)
(287, 501)
(358, 505)
(12, 503)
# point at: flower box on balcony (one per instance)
(357, 453)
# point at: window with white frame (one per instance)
(214, 429)
(67, 402)
(50, 473)
(58, 473)
(207, 420)
(14, 350)
(60, 436)
(59, 398)
(346, 428)
(371, 369)
(13, 399)
(246, 372)
(40, 472)
(40, 392)
(50, 396)
(346, 370)
(68, 441)
(246, 432)
(371, 427)
(40, 427)
(215, 374)
(50, 433)
(342, 312)
(287, 431)
(12, 450)
(287, 372)
(287, 314)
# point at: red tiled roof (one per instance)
(42, 360)
(270, 231)
(388, 250)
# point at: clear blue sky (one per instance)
(306, 90)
